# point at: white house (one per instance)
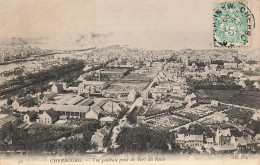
(256, 85)
(189, 141)
(139, 102)
(98, 137)
(257, 139)
(190, 98)
(49, 117)
(178, 90)
(23, 102)
(180, 139)
(210, 141)
(242, 83)
(223, 137)
(238, 141)
(256, 116)
(91, 115)
(111, 107)
(107, 119)
(57, 88)
(30, 116)
(215, 103)
(91, 86)
(192, 103)
(194, 141)
(132, 95)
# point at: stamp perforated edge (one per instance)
(249, 43)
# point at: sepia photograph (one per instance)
(129, 82)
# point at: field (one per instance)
(221, 95)
(165, 122)
(239, 116)
(196, 112)
(158, 108)
(247, 98)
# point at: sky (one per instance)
(151, 24)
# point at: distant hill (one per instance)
(14, 41)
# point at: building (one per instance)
(98, 137)
(91, 87)
(177, 90)
(194, 141)
(107, 119)
(161, 89)
(215, 103)
(48, 117)
(230, 65)
(48, 96)
(192, 104)
(111, 107)
(86, 102)
(139, 102)
(140, 120)
(180, 139)
(91, 115)
(210, 141)
(111, 74)
(26, 101)
(257, 139)
(7, 123)
(132, 96)
(256, 85)
(74, 111)
(57, 88)
(223, 137)
(190, 98)
(30, 116)
(256, 116)
(239, 142)
(213, 67)
(79, 110)
(69, 100)
(146, 94)
(242, 83)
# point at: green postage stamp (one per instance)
(233, 24)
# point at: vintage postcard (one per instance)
(129, 82)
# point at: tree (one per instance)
(94, 147)
(176, 148)
(183, 130)
(198, 129)
(254, 125)
(203, 148)
(9, 101)
(33, 91)
(212, 150)
(142, 139)
(132, 119)
(189, 150)
(159, 140)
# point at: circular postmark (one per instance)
(233, 24)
